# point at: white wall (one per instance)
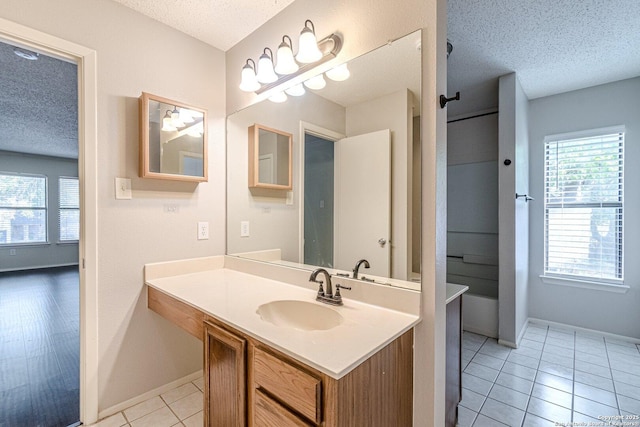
(53, 253)
(513, 215)
(138, 350)
(366, 25)
(596, 107)
(273, 223)
(393, 112)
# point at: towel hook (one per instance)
(524, 196)
(444, 99)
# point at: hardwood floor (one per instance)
(39, 347)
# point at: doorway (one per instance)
(40, 232)
(85, 59)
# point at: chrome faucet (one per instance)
(357, 267)
(327, 296)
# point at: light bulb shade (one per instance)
(175, 118)
(317, 82)
(297, 90)
(265, 68)
(185, 116)
(278, 97)
(167, 124)
(308, 51)
(249, 82)
(339, 73)
(285, 64)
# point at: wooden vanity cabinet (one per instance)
(282, 392)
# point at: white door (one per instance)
(363, 202)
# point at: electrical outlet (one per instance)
(203, 230)
(244, 228)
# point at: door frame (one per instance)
(308, 128)
(85, 59)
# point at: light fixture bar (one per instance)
(327, 56)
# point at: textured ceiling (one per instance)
(220, 23)
(554, 46)
(39, 105)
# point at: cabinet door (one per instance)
(225, 380)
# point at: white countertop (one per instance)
(454, 291)
(233, 297)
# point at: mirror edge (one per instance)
(254, 141)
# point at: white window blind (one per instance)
(23, 209)
(69, 212)
(583, 206)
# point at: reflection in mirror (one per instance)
(269, 158)
(355, 173)
(172, 140)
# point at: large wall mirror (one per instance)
(173, 140)
(355, 171)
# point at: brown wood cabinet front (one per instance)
(224, 378)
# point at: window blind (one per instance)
(23, 208)
(69, 215)
(583, 206)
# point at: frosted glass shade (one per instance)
(249, 82)
(316, 82)
(265, 70)
(185, 116)
(167, 124)
(278, 97)
(285, 64)
(339, 73)
(308, 51)
(175, 119)
(297, 90)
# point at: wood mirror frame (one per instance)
(170, 154)
(282, 170)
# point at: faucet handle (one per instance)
(320, 288)
(338, 287)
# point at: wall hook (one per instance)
(444, 99)
(524, 196)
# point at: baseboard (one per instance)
(508, 343)
(577, 328)
(148, 395)
(480, 331)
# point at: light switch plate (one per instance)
(123, 188)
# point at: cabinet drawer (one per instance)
(269, 413)
(296, 388)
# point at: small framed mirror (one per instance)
(173, 140)
(269, 158)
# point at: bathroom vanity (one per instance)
(273, 356)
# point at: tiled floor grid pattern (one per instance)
(556, 377)
(181, 406)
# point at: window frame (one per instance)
(46, 241)
(576, 280)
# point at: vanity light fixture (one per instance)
(175, 118)
(185, 116)
(285, 63)
(265, 67)
(339, 73)
(167, 123)
(308, 51)
(265, 77)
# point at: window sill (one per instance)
(67, 242)
(585, 284)
(23, 245)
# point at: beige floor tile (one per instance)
(144, 408)
(116, 420)
(196, 420)
(187, 406)
(162, 417)
(178, 393)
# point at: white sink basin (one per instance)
(303, 315)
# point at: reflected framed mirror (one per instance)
(356, 167)
(173, 140)
(269, 158)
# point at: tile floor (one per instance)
(181, 406)
(556, 377)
